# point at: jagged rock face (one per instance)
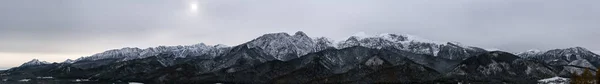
(322, 43)
(283, 46)
(498, 67)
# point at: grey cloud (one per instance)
(95, 25)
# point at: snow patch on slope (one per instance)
(554, 80)
(492, 49)
(35, 62)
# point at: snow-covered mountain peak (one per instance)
(534, 50)
(323, 39)
(458, 44)
(221, 46)
(274, 35)
(572, 51)
(403, 38)
(407, 42)
(281, 45)
(34, 62)
(578, 49)
(69, 61)
(413, 38)
(300, 34)
(393, 37)
(199, 44)
(360, 35)
(282, 37)
(531, 52)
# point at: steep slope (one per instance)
(282, 46)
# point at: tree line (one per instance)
(586, 77)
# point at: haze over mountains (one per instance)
(298, 58)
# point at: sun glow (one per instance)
(193, 7)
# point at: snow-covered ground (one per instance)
(24, 80)
(554, 80)
(81, 80)
(135, 83)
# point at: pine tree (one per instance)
(598, 75)
(587, 77)
(574, 78)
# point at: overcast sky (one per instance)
(55, 30)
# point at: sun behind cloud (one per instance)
(193, 7)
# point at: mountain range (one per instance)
(298, 58)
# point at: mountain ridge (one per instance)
(281, 57)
